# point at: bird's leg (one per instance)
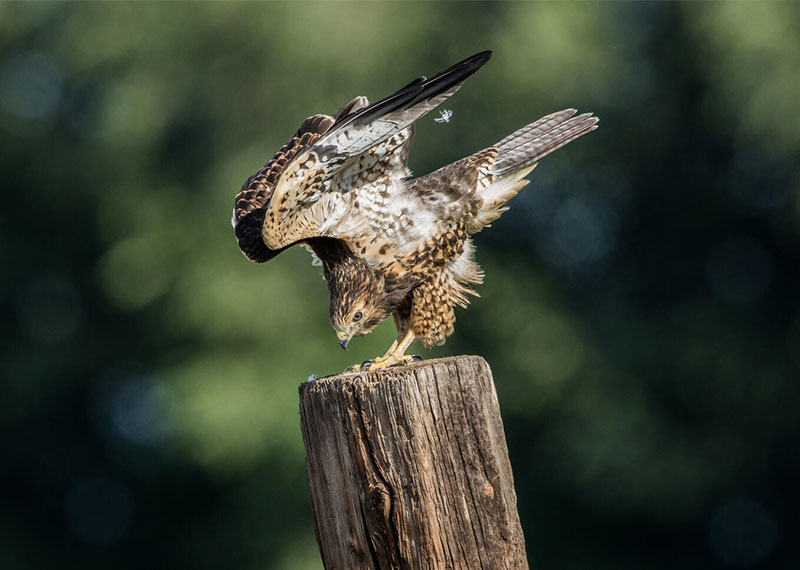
(403, 345)
(395, 356)
(392, 347)
(367, 364)
(401, 322)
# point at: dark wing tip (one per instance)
(453, 75)
(422, 89)
(418, 81)
(474, 62)
(248, 235)
(465, 67)
(252, 201)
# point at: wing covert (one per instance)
(339, 185)
(250, 205)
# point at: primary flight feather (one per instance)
(390, 244)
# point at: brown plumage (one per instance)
(390, 244)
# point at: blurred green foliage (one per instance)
(641, 310)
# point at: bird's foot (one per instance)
(360, 367)
(384, 362)
(389, 361)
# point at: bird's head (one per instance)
(357, 299)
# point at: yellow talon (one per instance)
(395, 356)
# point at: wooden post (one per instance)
(408, 469)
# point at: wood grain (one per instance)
(408, 468)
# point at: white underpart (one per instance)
(382, 209)
(495, 196)
(463, 268)
(463, 271)
(390, 212)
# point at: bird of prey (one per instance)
(390, 244)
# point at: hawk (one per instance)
(390, 244)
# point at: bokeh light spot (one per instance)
(30, 86)
(583, 232)
(133, 272)
(742, 533)
(549, 348)
(138, 410)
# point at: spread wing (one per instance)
(252, 200)
(250, 206)
(349, 182)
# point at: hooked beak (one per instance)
(344, 340)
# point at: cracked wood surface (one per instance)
(408, 469)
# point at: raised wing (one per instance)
(250, 205)
(349, 184)
(251, 202)
(368, 127)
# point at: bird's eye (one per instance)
(358, 316)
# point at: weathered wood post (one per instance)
(408, 469)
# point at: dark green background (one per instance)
(640, 311)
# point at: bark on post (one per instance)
(408, 469)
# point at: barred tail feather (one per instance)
(519, 153)
(533, 142)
